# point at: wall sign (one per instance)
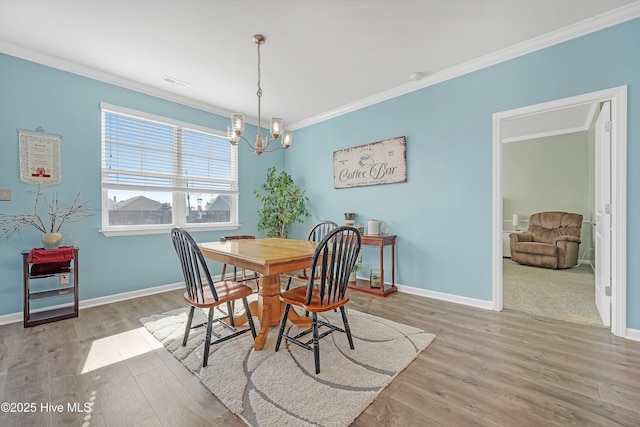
(39, 157)
(383, 162)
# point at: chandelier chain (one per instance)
(259, 87)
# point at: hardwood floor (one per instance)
(484, 368)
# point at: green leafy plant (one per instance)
(283, 203)
(357, 266)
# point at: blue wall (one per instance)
(443, 213)
(33, 95)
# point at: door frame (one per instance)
(618, 98)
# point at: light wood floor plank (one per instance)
(484, 368)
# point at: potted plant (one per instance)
(356, 267)
(283, 203)
(49, 223)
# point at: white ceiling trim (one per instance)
(92, 73)
(600, 22)
(615, 17)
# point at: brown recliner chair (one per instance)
(552, 240)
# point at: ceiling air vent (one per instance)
(174, 81)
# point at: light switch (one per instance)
(5, 194)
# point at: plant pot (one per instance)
(352, 277)
(51, 240)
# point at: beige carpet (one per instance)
(266, 388)
(566, 294)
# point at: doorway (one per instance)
(501, 121)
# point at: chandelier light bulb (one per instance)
(237, 123)
(276, 126)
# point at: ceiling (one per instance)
(319, 56)
(577, 118)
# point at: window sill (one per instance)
(167, 230)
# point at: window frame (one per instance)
(179, 197)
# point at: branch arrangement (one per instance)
(51, 222)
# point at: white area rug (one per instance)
(266, 388)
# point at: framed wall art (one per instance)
(39, 157)
(382, 162)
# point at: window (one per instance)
(159, 173)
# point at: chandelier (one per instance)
(234, 131)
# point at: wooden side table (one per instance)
(381, 241)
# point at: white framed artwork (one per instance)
(39, 157)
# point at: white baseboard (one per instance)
(632, 334)
(5, 319)
(18, 317)
(130, 295)
(472, 302)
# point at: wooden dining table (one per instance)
(269, 258)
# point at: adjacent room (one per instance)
(534, 181)
(319, 213)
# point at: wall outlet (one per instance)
(64, 279)
(5, 194)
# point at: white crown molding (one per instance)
(579, 29)
(92, 73)
(606, 20)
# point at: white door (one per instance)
(603, 213)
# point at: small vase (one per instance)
(51, 240)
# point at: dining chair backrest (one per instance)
(332, 263)
(320, 230)
(194, 267)
(235, 268)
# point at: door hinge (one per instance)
(607, 291)
(607, 126)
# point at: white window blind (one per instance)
(141, 153)
(159, 173)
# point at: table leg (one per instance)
(268, 307)
(261, 337)
(294, 317)
(393, 264)
(382, 268)
(269, 296)
(242, 319)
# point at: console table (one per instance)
(380, 241)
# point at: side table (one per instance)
(62, 264)
(380, 240)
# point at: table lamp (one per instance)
(515, 221)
